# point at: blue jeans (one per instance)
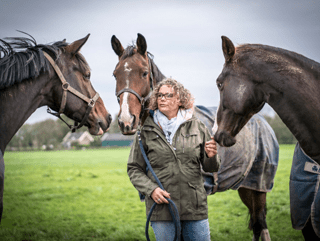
(194, 230)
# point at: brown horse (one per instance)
(136, 74)
(56, 76)
(255, 74)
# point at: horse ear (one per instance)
(227, 48)
(141, 44)
(75, 47)
(116, 46)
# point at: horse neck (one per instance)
(296, 102)
(17, 103)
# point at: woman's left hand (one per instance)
(211, 148)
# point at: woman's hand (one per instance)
(211, 148)
(158, 195)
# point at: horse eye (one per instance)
(219, 85)
(87, 76)
(145, 74)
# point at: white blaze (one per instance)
(125, 115)
(127, 70)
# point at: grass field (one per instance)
(87, 195)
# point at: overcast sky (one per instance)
(184, 36)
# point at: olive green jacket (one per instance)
(177, 166)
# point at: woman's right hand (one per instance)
(158, 195)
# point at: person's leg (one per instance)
(195, 230)
(163, 230)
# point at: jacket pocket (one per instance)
(191, 149)
(195, 196)
(155, 145)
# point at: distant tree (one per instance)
(96, 142)
(23, 137)
(48, 132)
(282, 132)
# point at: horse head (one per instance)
(240, 97)
(71, 90)
(134, 79)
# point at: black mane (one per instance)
(157, 75)
(22, 58)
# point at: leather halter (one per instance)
(141, 99)
(66, 87)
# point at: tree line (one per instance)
(48, 134)
(51, 133)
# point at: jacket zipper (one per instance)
(182, 144)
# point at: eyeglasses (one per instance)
(166, 96)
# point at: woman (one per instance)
(176, 143)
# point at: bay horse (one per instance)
(136, 74)
(255, 74)
(54, 75)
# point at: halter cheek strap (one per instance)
(66, 87)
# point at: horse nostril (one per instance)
(109, 118)
(217, 137)
(134, 121)
(223, 139)
(127, 128)
(121, 125)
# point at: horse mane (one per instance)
(22, 58)
(283, 60)
(157, 75)
(132, 49)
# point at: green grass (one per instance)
(87, 195)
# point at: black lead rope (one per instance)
(172, 207)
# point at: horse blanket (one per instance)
(304, 191)
(251, 163)
(1, 176)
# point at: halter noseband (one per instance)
(141, 99)
(66, 87)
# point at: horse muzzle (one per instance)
(224, 139)
(128, 127)
(97, 125)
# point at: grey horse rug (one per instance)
(1, 176)
(304, 191)
(251, 163)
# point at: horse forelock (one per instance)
(129, 52)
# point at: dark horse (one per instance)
(136, 75)
(56, 76)
(256, 74)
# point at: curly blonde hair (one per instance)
(184, 95)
